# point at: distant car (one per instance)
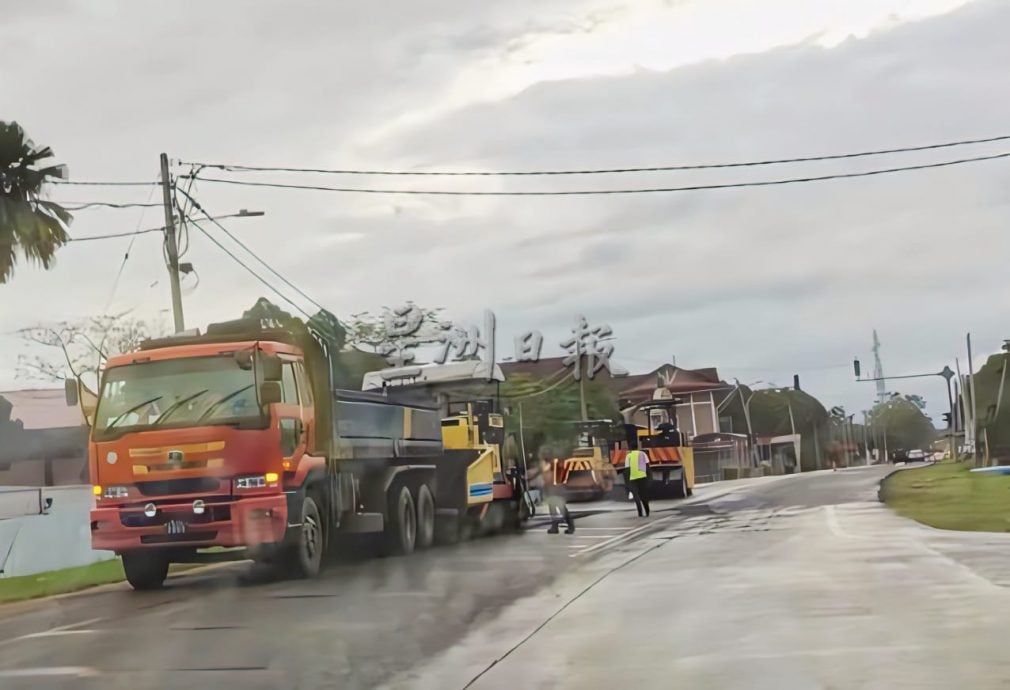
(916, 456)
(899, 455)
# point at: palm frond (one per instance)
(28, 224)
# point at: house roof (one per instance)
(627, 387)
(547, 367)
(42, 409)
(682, 381)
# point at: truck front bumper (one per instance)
(246, 521)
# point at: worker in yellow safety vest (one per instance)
(636, 465)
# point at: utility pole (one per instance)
(866, 439)
(171, 247)
(974, 407)
(582, 391)
(522, 438)
(947, 375)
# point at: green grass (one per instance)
(69, 580)
(60, 581)
(946, 495)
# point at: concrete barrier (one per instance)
(32, 541)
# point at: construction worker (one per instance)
(636, 465)
(554, 496)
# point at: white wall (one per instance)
(32, 543)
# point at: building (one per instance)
(699, 390)
(43, 441)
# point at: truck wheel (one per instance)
(306, 557)
(425, 517)
(145, 569)
(401, 525)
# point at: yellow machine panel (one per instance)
(480, 477)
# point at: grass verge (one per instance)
(947, 496)
(68, 580)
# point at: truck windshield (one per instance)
(177, 393)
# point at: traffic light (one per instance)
(855, 367)
(946, 418)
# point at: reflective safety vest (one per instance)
(636, 462)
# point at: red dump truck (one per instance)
(237, 438)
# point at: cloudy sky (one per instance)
(761, 283)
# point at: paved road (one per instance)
(792, 582)
(359, 624)
(804, 583)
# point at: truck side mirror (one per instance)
(270, 392)
(70, 392)
(271, 368)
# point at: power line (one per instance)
(246, 266)
(599, 171)
(126, 254)
(103, 183)
(114, 235)
(244, 246)
(82, 205)
(592, 192)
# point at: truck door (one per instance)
(290, 415)
(307, 403)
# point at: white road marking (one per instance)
(593, 536)
(76, 671)
(56, 633)
(833, 525)
(625, 536)
(59, 630)
(799, 653)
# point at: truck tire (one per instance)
(425, 517)
(305, 556)
(401, 523)
(145, 569)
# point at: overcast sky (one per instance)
(761, 283)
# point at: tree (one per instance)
(901, 424)
(81, 347)
(770, 416)
(394, 332)
(29, 225)
(549, 409)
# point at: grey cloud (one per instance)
(766, 278)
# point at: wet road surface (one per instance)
(444, 617)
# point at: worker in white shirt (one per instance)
(636, 465)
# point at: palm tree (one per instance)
(28, 223)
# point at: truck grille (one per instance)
(169, 487)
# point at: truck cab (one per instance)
(194, 444)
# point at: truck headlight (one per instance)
(115, 492)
